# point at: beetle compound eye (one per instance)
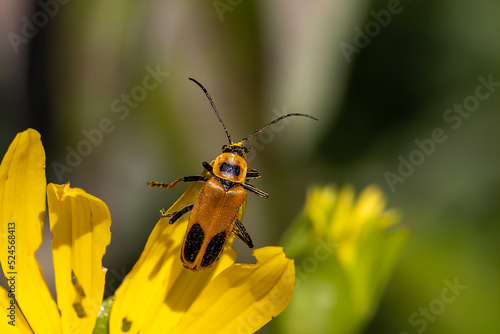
(213, 249)
(230, 169)
(194, 240)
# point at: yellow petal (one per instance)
(158, 290)
(341, 220)
(244, 297)
(14, 321)
(371, 204)
(80, 226)
(22, 213)
(318, 202)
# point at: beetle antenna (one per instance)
(272, 122)
(215, 109)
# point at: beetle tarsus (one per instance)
(163, 214)
(154, 184)
(195, 178)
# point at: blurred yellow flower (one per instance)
(345, 250)
(336, 215)
(80, 233)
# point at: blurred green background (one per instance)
(106, 84)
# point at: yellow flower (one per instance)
(80, 226)
(336, 215)
(345, 250)
(157, 296)
(160, 296)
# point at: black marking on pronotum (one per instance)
(230, 169)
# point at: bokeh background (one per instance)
(106, 84)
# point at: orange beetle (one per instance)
(214, 215)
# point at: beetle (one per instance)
(220, 205)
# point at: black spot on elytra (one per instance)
(194, 240)
(214, 248)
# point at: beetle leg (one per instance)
(196, 178)
(175, 215)
(254, 190)
(242, 233)
(252, 174)
(209, 168)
